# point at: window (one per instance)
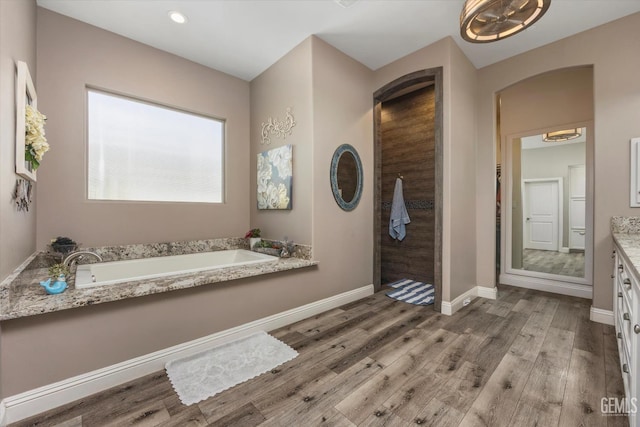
(146, 152)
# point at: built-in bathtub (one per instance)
(111, 273)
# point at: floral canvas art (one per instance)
(274, 178)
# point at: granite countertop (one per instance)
(626, 233)
(630, 246)
(21, 294)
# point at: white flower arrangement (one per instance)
(35, 142)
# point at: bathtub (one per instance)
(110, 273)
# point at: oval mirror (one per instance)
(346, 177)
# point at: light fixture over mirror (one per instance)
(562, 135)
(484, 21)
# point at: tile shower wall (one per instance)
(408, 144)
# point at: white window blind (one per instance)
(144, 152)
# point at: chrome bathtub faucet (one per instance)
(78, 255)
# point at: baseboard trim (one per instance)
(601, 316)
(489, 293)
(3, 412)
(449, 308)
(564, 250)
(32, 402)
(562, 288)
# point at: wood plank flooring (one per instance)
(553, 262)
(527, 358)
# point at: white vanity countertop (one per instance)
(21, 294)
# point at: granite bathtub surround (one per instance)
(626, 233)
(21, 294)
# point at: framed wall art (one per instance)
(30, 141)
(274, 178)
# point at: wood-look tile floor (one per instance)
(571, 264)
(526, 359)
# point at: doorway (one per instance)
(541, 209)
(426, 201)
(546, 212)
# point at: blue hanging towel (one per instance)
(399, 216)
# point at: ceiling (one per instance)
(245, 37)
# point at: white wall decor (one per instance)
(25, 95)
(279, 128)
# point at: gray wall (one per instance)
(17, 229)
(71, 55)
(17, 43)
(612, 50)
(84, 339)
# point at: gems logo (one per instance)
(614, 406)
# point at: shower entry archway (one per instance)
(423, 83)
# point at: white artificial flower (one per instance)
(283, 197)
(262, 200)
(264, 174)
(272, 197)
(34, 137)
(281, 159)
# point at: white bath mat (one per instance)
(205, 374)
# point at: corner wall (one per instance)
(84, 339)
(17, 43)
(612, 49)
(342, 113)
(286, 84)
(17, 229)
(73, 54)
(459, 99)
(331, 99)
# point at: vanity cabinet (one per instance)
(626, 313)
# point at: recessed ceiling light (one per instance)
(177, 17)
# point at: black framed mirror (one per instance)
(346, 177)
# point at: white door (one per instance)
(541, 215)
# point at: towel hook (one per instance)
(400, 176)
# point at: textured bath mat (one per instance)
(205, 374)
(413, 292)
